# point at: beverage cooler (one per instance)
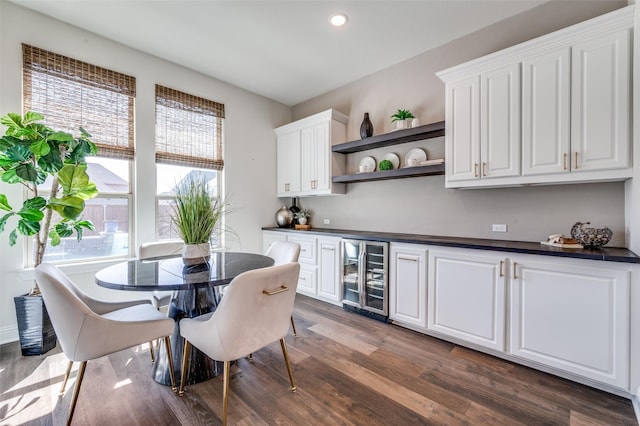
(364, 277)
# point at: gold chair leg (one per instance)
(225, 392)
(66, 377)
(172, 373)
(250, 357)
(153, 357)
(286, 360)
(293, 326)
(76, 391)
(185, 362)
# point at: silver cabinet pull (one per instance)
(515, 275)
(501, 270)
(475, 169)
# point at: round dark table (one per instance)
(196, 291)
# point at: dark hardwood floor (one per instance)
(350, 370)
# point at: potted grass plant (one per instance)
(30, 155)
(196, 215)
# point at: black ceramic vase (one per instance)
(366, 128)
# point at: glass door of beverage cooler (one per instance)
(351, 272)
(375, 273)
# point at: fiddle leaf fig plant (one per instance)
(31, 153)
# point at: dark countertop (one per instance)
(607, 254)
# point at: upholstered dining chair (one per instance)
(88, 328)
(155, 249)
(253, 313)
(284, 252)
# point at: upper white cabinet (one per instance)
(600, 99)
(483, 125)
(545, 113)
(305, 161)
(555, 109)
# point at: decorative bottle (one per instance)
(366, 128)
(294, 209)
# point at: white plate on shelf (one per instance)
(432, 162)
(395, 160)
(370, 162)
(416, 154)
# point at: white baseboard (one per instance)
(9, 334)
(636, 407)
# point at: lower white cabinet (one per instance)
(319, 263)
(329, 269)
(572, 316)
(467, 296)
(407, 285)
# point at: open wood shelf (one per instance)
(407, 172)
(427, 131)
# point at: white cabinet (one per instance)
(329, 269)
(555, 109)
(288, 160)
(408, 285)
(545, 113)
(572, 316)
(462, 129)
(483, 125)
(500, 122)
(601, 79)
(319, 263)
(467, 296)
(305, 163)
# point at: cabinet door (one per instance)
(322, 156)
(288, 164)
(545, 113)
(466, 294)
(329, 270)
(500, 123)
(307, 280)
(308, 159)
(462, 140)
(573, 317)
(408, 285)
(270, 237)
(307, 248)
(600, 99)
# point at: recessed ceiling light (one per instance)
(338, 19)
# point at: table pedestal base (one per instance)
(188, 304)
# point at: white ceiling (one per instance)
(284, 50)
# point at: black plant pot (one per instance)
(34, 325)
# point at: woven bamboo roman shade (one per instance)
(188, 130)
(72, 94)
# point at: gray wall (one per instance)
(249, 149)
(422, 205)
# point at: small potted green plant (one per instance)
(302, 216)
(401, 118)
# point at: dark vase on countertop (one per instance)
(366, 128)
(294, 209)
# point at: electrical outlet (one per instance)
(499, 227)
(327, 221)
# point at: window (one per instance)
(188, 140)
(72, 94)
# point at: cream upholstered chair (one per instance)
(253, 313)
(88, 328)
(157, 249)
(284, 252)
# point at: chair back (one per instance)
(255, 312)
(160, 248)
(66, 308)
(283, 252)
